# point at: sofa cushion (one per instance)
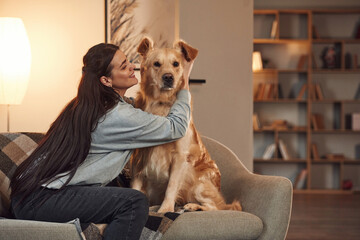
(35, 230)
(215, 225)
(14, 149)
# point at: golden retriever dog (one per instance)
(181, 172)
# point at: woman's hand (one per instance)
(186, 73)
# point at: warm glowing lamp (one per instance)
(15, 61)
(256, 61)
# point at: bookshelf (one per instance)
(306, 97)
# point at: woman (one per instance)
(88, 145)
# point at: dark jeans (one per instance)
(124, 209)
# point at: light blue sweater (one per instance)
(119, 132)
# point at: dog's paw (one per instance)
(193, 207)
(165, 209)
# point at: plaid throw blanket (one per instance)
(16, 147)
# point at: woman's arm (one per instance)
(126, 127)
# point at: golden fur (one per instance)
(180, 172)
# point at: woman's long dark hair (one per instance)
(67, 142)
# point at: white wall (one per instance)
(60, 33)
(222, 31)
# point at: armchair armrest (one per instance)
(268, 197)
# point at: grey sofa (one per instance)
(266, 202)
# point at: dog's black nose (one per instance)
(168, 79)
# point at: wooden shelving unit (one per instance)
(291, 43)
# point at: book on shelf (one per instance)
(314, 151)
(348, 59)
(357, 151)
(302, 62)
(269, 151)
(314, 63)
(301, 94)
(312, 91)
(256, 122)
(259, 91)
(317, 121)
(300, 181)
(281, 95)
(270, 91)
(355, 65)
(357, 93)
(296, 89)
(265, 91)
(315, 33)
(274, 29)
(318, 92)
(284, 150)
(357, 36)
(352, 121)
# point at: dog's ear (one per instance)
(188, 52)
(145, 45)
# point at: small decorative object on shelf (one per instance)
(331, 57)
(347, 184)
(334, 156)
(279, 124)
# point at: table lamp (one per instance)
(15, 61)
(256, 61)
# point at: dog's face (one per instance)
(162, 68)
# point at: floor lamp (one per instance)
(15, 61)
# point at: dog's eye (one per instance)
(157, 64)
(176, 64)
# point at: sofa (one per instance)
(266, 201)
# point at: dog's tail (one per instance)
(235, 205)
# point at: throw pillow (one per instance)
(14, 149)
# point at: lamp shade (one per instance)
(256, 61)
(15, 60)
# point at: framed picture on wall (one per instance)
(128, 21)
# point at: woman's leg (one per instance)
(125, 210)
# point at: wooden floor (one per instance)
(325, 217)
